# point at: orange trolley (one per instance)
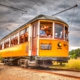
(37, 43)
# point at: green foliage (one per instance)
(75, 53)
(0, 58)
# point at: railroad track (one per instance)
(59, 72)
(64, 74)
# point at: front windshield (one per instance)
(46, 29)
(59, 31)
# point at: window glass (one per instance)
(59, 31)
(0, 46)
(26, 34)
(46, 29)
(12, 37)
(66, 33)
(26, 29)
(7, 40)
(22, 31)
(21, 38)
(6, 43)
(16, 38)
(12, 40)
(16, 35)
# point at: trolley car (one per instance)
(37, 43)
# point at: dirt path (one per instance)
(14, 73)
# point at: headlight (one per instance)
(45, 46)
(60, 44)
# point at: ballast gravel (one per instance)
(16, 73)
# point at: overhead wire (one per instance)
(22, 13)
(65, 10)
(13, 7)
(27, 11)
(36, 3)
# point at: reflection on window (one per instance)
(58, 31)
(46, 29)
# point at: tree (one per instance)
(75, 53)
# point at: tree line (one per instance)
(74, 53)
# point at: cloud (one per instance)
(73, 47)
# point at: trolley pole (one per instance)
(65, 10)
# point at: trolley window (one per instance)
(6, 43)
(16, 38)
(12, 40)
(24, 35)
(66, 33)
(59, 33)
(0, 46)
(46, 29)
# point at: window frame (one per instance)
(23, 35)
(46, 37)
(62, 25)
(6, 43)
(66, 33)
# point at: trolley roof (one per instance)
(46, 17)
(39, 17)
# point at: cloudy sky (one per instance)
(12, 18)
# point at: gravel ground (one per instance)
(68, 73)
(15, 73)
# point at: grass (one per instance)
(73, 64)
(0, 58)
